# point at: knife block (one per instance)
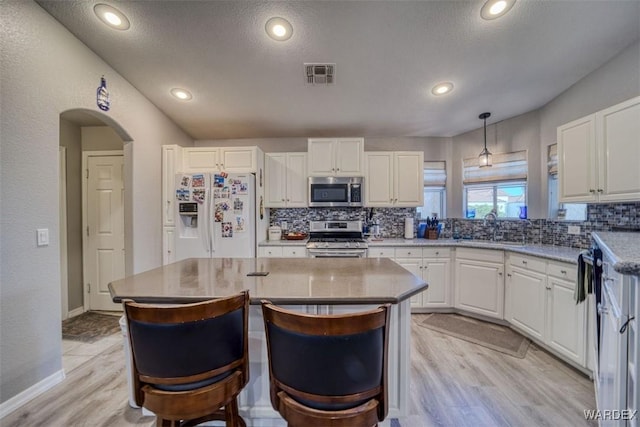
(432, 233)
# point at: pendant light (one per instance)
(484, 159)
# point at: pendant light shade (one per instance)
(484, 159)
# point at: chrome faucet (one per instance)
(494, 222)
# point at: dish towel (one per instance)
(583, 282)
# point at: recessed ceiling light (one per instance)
(111, 16)
(442, 88)
(279, 29)
(181, 94)
(493, 9)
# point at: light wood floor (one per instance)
(454, 383)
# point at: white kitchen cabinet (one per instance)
(566, 321)
(394, 178)
(171, 157)
(297, 251)
(218, 159)
(598, 155)
(270, 252)
(282, 251)
(633, 362)
(414, 265)
(479, 281)
(286, 180)
(335, 156)
(526, 296)
(168, 245)
(436, 271)
(540, 302)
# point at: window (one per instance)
(505, 198)
(435, 179)
(501, 187)
(557, 210)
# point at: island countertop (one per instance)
(290, 281)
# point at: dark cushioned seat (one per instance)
(328, 370)
(190, 361)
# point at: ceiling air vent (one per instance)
(320, 73)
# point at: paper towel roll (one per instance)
(408, 228)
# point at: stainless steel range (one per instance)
(336, 239)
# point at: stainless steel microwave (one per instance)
(336, 191)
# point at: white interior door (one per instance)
(104, 228)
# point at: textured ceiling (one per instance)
(388, 56)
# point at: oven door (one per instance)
(337, 253)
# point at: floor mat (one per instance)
(486, 334)
(90, 327)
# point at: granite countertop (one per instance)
(557, 253)
(299, 281)
(622, 248)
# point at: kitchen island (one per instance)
(310, 285)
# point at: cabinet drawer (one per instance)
(270, 252)
(562, 270)
(436, 252)
(529, 263)
(294, 252)
(486, 255)
(408, 253)
(376, 252)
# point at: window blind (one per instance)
(506, 167)
(435, 174)
(552, 159)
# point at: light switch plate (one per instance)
(42, 236)
(573, 229)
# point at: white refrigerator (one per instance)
(216, 216)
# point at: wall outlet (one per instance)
(573, 229)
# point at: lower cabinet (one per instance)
(479, 281)
(292, 251)
(433, 265)
(168, 244)
(540, 302)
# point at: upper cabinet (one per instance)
(598, 155)
(215, 159)
(286, 180)
(171, 157)
(335, 156)
(394, 178)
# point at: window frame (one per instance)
(494, 186)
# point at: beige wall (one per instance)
(39, 61)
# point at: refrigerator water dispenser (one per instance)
(189, 216)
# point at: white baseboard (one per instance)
(31, 393)
(76, 312)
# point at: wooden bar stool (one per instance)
(190, 361)
(328, 370)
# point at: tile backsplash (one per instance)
(600, 217)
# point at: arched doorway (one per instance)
(86, 134)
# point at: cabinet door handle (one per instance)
(437, 253)
(508, 274)
(338, 170)
(524, 262)
(600, 190)
(499, 273)
(591, 190)
(563, 272)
